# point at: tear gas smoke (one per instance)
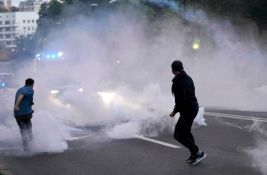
(125, 77)
(258, 154)
(258, 151)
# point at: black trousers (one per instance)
(182, 132)
(25, 126)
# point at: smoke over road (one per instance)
(116, 54)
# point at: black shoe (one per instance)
(190, 159)
(198, 158)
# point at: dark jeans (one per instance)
(25, 126)
(182, 132)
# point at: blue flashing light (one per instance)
(3, 84)
(48, 56)
(53, 56)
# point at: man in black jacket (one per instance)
(186, 104)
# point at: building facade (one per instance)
(7, 30)
(14, 25)
(19, 24)
(31, 5)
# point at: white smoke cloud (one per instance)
(258, 152)
(258, 155)
(49, 134)
(116, 55)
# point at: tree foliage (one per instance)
(51, 9)
(252, 9)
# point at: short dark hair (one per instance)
(29, 82)
(177, 65)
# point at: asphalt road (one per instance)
(226, 139)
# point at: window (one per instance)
(32, 28)
(32, 21)
(8, 29)
(28, 21)
(24, 28)
(8, 36)
(29, 28)
(1, 36)
(7, 22)
(0, 22)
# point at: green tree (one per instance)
(49, 15)
(14, 9)
(51, 9)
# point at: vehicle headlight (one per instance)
(107, 97)
(80, 90)
(54, 91)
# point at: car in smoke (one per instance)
(60, 90)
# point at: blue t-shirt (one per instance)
(25, 106)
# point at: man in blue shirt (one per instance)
(23, 111)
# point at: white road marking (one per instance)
(233, 125)
(77, 138)
(136, 136)
(156, 141)
(240, 117)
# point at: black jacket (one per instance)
(183, 90)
